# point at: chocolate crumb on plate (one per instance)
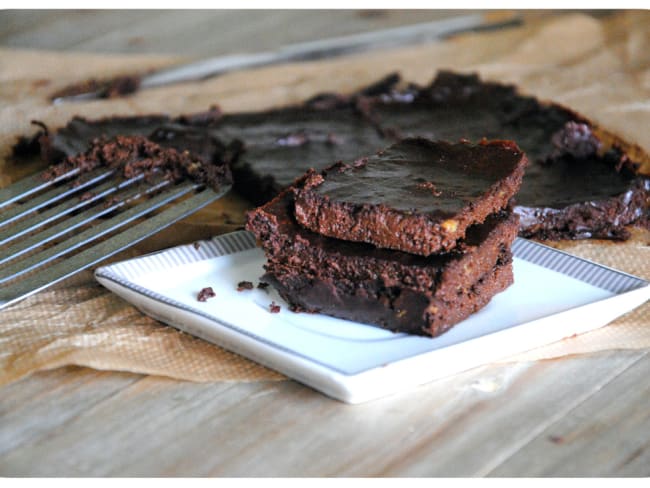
(274, 308)
(206, 293)
(244, 285)
(114, 200)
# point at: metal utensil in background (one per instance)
(315, 50)
(52, 230)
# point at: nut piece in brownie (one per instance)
(286, 243)
(416, 196)
(393, 308)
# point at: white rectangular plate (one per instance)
(555, 295)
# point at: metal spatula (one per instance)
(319, 49)
(50, 230)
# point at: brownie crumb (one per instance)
(429, 186)
(262, 285)
(205, 293)
(86, 196)
(29, 146)
(244, 285)
(197, 245)
(274, 307)
(26, 146)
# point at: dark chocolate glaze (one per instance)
(280, 146)
(419, 176)
(565, 166)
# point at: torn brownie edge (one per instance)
(130, 156)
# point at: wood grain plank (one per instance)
(13, 22)
(473, 435)
(152, 412)
(607, 435)
(63, 30)
(36, 407)
(458, 426)
(194, 32)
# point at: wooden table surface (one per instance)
(585, 415)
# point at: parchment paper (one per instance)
(600, 68)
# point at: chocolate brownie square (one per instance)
(416, 196)
(286, 243)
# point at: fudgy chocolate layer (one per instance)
(445, 274)
(416, 196)
(393, 308)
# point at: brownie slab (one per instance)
(393, 308)
(416, 196)
(287, 243)
(582, 181)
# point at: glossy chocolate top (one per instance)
(565, 167)
(424, 177)
(284, 145)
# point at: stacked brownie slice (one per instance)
(414, 239)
